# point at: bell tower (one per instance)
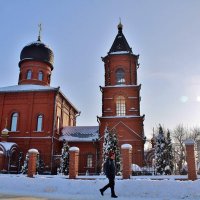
(121, 97)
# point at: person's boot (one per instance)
(114, 196)
(101, 191)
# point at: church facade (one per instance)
(33, 114)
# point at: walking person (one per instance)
(110, 174)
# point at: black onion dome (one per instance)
(37, 51)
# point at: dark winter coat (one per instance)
(110, 168)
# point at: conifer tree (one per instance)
(169, 155)
(115, 148)
(39, 165)
(111, 144)
(64, 160)
(106, 144)
(25, 166)
(160, 151)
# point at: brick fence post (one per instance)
(73, 162)
(32, 162)
(190, 158)
(1, 160)
(4, 135)
(126, 151)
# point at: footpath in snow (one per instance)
(136, 188)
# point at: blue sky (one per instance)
(166, 34)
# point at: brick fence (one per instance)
(190, 158)
(32, 162)
(126, 152)
(73, 162)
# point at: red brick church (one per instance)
(33, 114)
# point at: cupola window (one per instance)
(40, 76)
(120, 106)
(14, 121)
(39, 123)
(120, 76)
(29, 74)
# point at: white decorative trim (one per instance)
(128, 128)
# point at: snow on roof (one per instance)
(33, 88)
(7, 145)
(125, 116)
(121, 85)
(80, 133)
(120, 52)
(26, 88)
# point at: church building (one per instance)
(33, 114)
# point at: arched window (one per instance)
(120, 76)
(14, 121)
(120, 106)
(89, 160)
(40, 76)
(29, 74)
(39, 123)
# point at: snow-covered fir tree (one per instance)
(160, 151)
(169, 155)
(25, 166)
(64, 160)
(111, 144)
(39, 165)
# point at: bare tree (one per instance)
(195, 133)
(179, 134)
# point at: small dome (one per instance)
(37, 51)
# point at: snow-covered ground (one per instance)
(136, 188)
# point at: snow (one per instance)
(119, 52)
(32, 88)
(5, 131)
(126, 146)
(136, 168)
(137, 188)
(26, 88)
(7, 145)
(80, 133)
(122, 85)
(73, 149)
(125, 116)
(33, 151)
(189, 142)
(38, 43)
